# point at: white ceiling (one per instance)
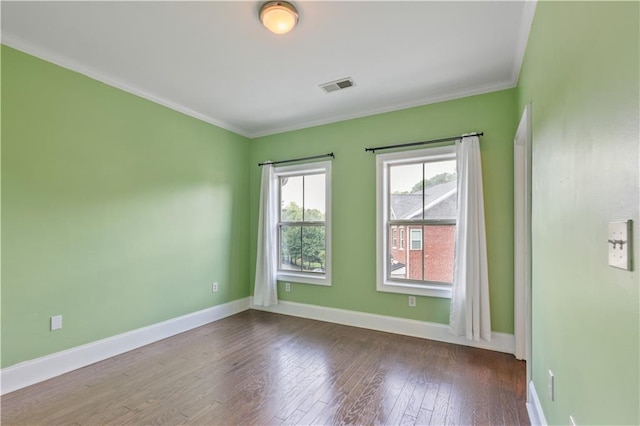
(215, 61)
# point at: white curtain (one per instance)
(265, 292)
(470, 315)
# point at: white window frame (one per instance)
(383, 161)
(402, 238)
(300, 170)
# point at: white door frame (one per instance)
(522, 238)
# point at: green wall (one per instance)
(354, 200)
(581, 75)
(117, 212)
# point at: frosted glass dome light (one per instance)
(279, 17)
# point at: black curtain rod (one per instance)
(402, 145)
(298, 159)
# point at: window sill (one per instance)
(415, 289)
(304, 278)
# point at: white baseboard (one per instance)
(536, 415)
(500, 342)
(30, 372)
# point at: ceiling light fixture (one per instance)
(279, 17)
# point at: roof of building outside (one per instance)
(409, 206)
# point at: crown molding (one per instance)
(418, 102)
(54, 58)
(521, 44)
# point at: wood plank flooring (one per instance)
(267, 369)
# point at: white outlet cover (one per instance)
(56, 322)
(619, 244)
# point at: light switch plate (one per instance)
(619, 242)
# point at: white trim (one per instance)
(301, 170)
(534, 408)
(302, 278)
(418, 102)
(522, 237)
(49, 56)
(30, 372)
(430, 290)
(500, 342)
(382, 189)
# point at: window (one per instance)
(416, 239)
(417, 196)
(304, 223)
(395, 238)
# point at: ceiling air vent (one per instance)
(334, 86)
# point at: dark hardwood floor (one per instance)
(262, 368)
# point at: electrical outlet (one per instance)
(56, 322)
(412, 301)
(551, 385)
(287, 287)
(214, 287)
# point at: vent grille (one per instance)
(334, 86)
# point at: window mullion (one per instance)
(280, 199)
(422, 226)
(302, 227)
(301, 251)
(422, 241)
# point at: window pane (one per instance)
(314, 197)
(416, 238)
(439, 250)
(291, 194)
(313, 249)
(421, 210)
(397, 258)
(406, 192)
(414, 255)
(431, 253)
(290, 248)
(440, 189)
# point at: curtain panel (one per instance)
(265, 291)
(470, 314)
